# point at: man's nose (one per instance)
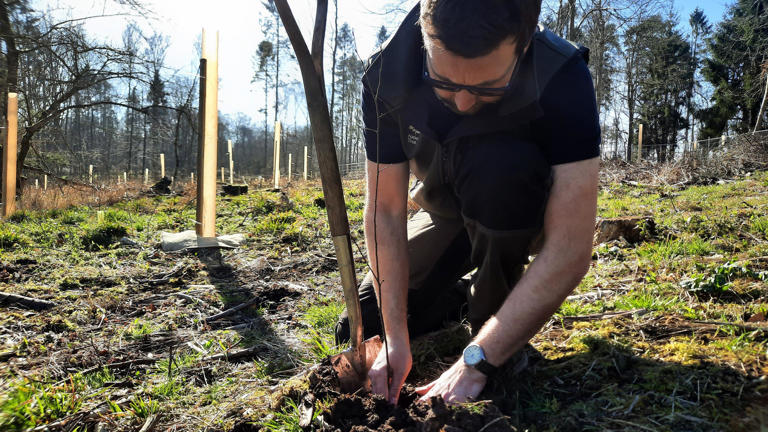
(464, 100)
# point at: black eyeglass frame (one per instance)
(475, 90)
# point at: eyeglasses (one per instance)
(477, 91)
(455, 88)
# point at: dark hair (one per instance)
(474, 28)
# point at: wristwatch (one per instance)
(474, 357)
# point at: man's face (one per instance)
(492, 70)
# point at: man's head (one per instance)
(476, 44)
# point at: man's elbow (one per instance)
(578, 265)
(572, 261)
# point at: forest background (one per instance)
(102, 83)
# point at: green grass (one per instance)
(285, 420)
(323, 316)
(139, 328)
(703, 263)
(651, 301)
(30, 403)
(144, 407)
(657, 252)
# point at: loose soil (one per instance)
(363, 411)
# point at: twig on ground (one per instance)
(603, 315)
(494, 421)
(235, 355)
(741, 326)
(176, 271)
(232, 310)
(149, 423)
(28, 302)
(194, 300)
(118, 365)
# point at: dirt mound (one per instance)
(363, 411)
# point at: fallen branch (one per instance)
(232, 310)
(741, 326)
(194, 300)
(603, 315)
(235, 355)
(118, 365)
(166, 277)
(28, 302)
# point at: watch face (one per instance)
(473, 354)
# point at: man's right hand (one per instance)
(400, 362)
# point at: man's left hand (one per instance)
(460, 383)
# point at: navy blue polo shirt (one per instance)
(568, 131)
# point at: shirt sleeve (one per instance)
(569, 130)
(382, 137)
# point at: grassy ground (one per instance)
(666, 334)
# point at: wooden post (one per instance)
(162, 165)
(222, 174)
(146, 176)
(125, 177)
(290, 168)
(276, 162)
(90, 174)
(45, 182)
(640, 143)
(305, 163)
(205, 223)
(37, 184)
(231, 163)
(9, 156)
(192, 176)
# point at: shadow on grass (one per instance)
(609, 387)
(251, 307)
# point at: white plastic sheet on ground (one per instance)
(173, 242)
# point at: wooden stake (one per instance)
(276, 162)
(222, 174)
(146, 176)
(90, 174)
(125, 177)
(45, 182)
(37, 184)
(9, 156)
(640, 143)
(231, 163)
(192, 176)
(205, 223)
(162, 165)
(305, 163)
(290, 168)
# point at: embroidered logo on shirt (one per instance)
(414, 136)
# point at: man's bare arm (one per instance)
(562, 263)
(558, 268)
(386, 241)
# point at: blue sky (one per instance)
(714, 10)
